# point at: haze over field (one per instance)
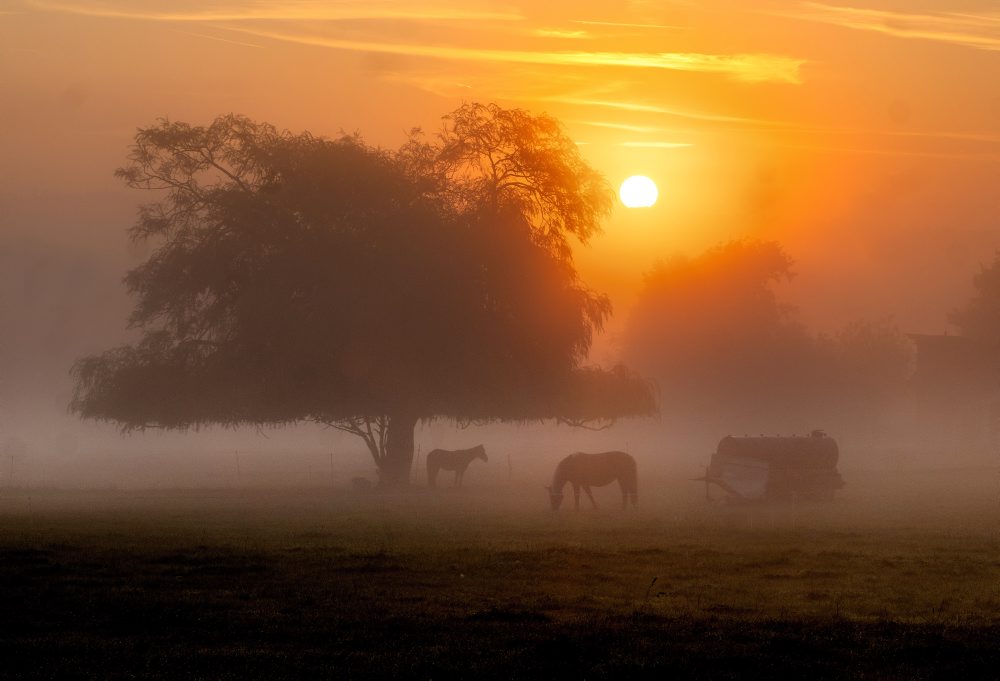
(863, 137)
(319, 320)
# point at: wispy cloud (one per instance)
(221, 40)
(656, 145)
(751, 68)
(289, 10)
(655, 109)
(970, 136)
(622, 24)
(560, 33)
(442, 85)
(254, 18)
(988, 156)
(981, 31)
(621, 126)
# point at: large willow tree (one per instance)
(296, 278)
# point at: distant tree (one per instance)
(714, 334)
(979, 319)
(871, 364)
(298, 278)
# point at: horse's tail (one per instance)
(432, 469)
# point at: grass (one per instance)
(487, 583)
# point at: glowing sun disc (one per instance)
(638, 191)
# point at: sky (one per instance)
(864, 135)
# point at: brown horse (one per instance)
(594, 470)
(458, 461)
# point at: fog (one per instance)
(62, 299)
(873, 169)
(329, 345)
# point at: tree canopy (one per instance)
(979, 318)
(869, 367)
(508, 161)
(711, 328)
(300, 278)
(730, 356)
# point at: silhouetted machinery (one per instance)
(775, 468)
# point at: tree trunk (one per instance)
(394, 470)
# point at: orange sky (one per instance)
(862, 134)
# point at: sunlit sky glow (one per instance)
(863, 134)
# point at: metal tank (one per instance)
(775, 468)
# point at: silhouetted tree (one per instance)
(507, 161)
(713, 333)
(299, 278)
(979, 319)
(731, 357)
(871, 364)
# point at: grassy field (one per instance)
(899, 581)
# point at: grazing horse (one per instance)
(458, 461)
(594, 470)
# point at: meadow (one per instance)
(897, 578)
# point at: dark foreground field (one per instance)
(485, 583)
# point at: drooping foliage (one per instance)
(296, 278)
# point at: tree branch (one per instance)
(583, 423)
(354, 427)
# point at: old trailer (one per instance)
(775, 468)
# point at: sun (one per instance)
(638, 191)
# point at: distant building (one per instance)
(956, 389)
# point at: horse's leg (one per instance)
(621, 483)
(586, 488)
(576, 497)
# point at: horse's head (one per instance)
(555, 497)
(481, 452)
